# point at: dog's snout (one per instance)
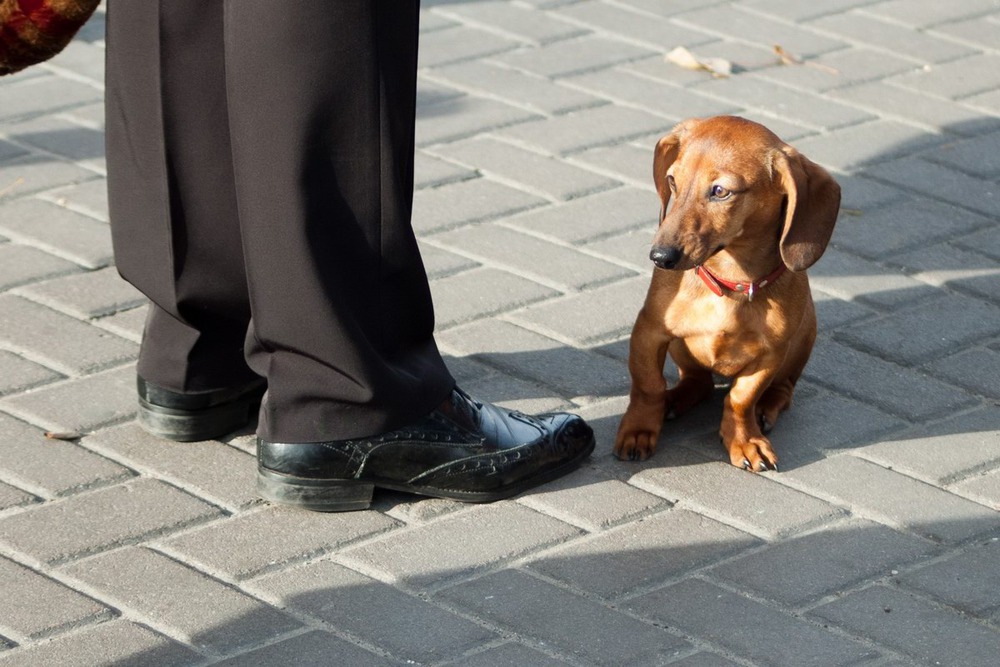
(665, 257)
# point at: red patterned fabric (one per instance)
(35, 30)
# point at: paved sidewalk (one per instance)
(877, 543)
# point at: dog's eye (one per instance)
(672, 183)
(719, 192)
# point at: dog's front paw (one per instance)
(635, 445)
(754, 454)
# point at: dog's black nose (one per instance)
(665, 258)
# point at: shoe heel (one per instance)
(192, 426)
(320, 495)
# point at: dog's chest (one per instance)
(719, 337)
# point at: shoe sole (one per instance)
(195, 425)
(345, 495)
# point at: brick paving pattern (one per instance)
(878, 543)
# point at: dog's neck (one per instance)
(744, 262)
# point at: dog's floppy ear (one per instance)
(666, 152)
(813, 201)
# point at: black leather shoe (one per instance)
(463, 450)
(191, 416)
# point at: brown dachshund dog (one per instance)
(747, 206)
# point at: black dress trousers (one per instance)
(260, 170)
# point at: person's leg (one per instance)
(173, 215)
(321, 103)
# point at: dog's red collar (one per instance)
(716, 284)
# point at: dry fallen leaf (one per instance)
(791, 59)
(10, 187)
(717, 67)
(68, 435)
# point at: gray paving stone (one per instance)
(951, 186)
(755, 28)
(561, 267)
(461, 42)
(482, 293)
(520, 88)
(588, 499)
(194, 465)
(805, 568)
(13, 497)
(749, 629)
(8, 151)
(516, 394)
(465, 202)
(572, 371)
(944, 265)
(912, 106)
(828, 421)
(89, 197)
(573, 56)
(656, 33)
(977, 156)
(70, 405)
(35, 96)
(594, 217)
(510, 655)
(118, 643)
(18, 374)
(851, 278)
(312, 649)
(967, 581)
(69, 343)
(895, 389)
(59, 136)
(459, 544)
(984, 489)
(925, 14)
(527, 24)
(848, 148)
(593, 633)
(587, 128)
(955, 79)
(128, 323)
(86, 295)
(912, 626)
(945, 451)
(88, 523)
(630, 248)
(38, 606)
(704, 660)
(253, 543)
(904, 225)
(979, 31)
(430, 172)
(465, 116)
(406, 626)
(860, 194)
(54, 466)
(59, 231)
(531, 171)
(985, 242)
(863, 27)
(20, 264)
(641, 555)
(629, 85)
(431, 93)
(810, 109)
(723, 491)
(35, 172)
(892, 337)
(630, 163)
(838, 69)
(618, 304)
(792, 10)
(832, 312)
(878, 493)
(152, 586)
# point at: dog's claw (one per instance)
(746, 464)
(762, 466)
